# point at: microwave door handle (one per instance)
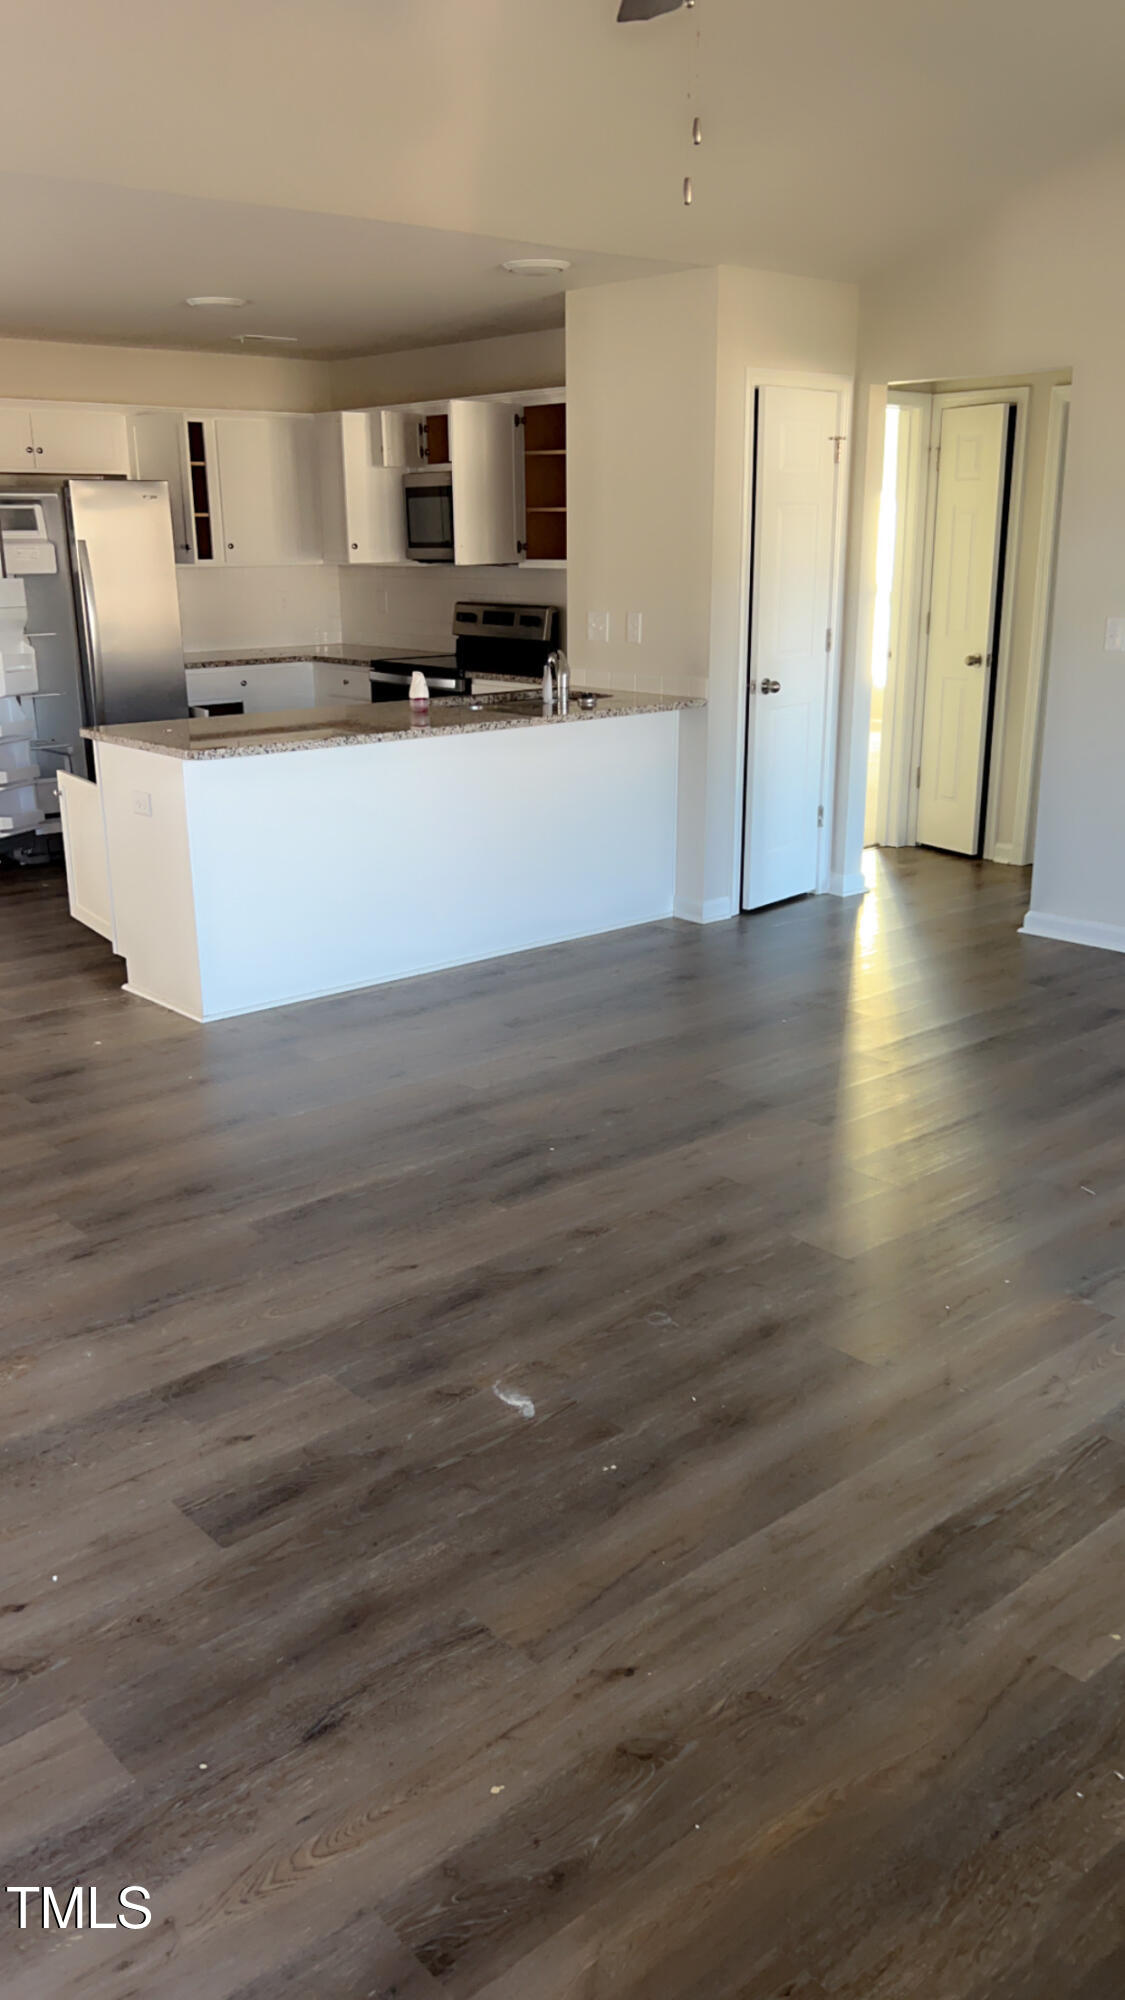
(88, 610)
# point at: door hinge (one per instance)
(836, 442)
(918, 779)
(820, 815)
(517, 420)
(828, 640)
(927, 624)
(521, 548)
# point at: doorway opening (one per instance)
(966, 548)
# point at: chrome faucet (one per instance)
(560, 667)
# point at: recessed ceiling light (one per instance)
(215, 299)
(282, 339)
(536, 267)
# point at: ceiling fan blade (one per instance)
(646, 10)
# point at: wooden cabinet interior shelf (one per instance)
(544, 447)
(436, 431)
(200, 492)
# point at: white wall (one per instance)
(75, 372)
(260, 607)
(414, 607)
(1039, 286)
(465, 368)
(641, 374)
(659, 375)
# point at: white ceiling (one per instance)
(837, 137)
(85, 261)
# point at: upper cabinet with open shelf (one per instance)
(244, 489)
(507, 460)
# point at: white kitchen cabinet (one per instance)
(16, 448)
(483, 456)
(281, 684)
(364, 517)
(256, 688)
(78, 440)
(62, 438)
(340, 683)
(268, 489)
(160, 451)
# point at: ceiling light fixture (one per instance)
(536, 267)
(215, 299)
(648, 10)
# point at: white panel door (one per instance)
(16, 448)
(482, 452)
(79, 441)
(797, 482)
(967, 519)
(269, 489)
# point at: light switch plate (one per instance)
(142, 803)
(634, 626)
(1115, 635)
(597, 626)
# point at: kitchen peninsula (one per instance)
(244, 862)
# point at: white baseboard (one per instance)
(715, 910)
(1073, 930)
(847, 885)
(1006, 852)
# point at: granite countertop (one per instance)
(274, 656)
(342, 723)
(343, 656)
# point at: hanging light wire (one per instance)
(693, 102)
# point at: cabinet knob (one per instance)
(243, 684)
(39, 451)
(29, 448)
(230, 545)
(355, 545)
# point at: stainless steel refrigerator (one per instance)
(97, 563)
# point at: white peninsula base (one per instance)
(252, 879)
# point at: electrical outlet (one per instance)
(1115, 635)
(142, 803)
(634, 625)
(597, 626)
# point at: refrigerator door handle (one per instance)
(89, 610)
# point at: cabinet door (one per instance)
(267, 475)
(363, 510)
(160, 452)
(279, 684)
(87, 869)
(482, 451)
(337, 683)
(79, 441)
(16, 448)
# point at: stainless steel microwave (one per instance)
(429, 516)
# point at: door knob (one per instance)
(974, 659)
(771, 687)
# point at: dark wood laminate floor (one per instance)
(779, 1655)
